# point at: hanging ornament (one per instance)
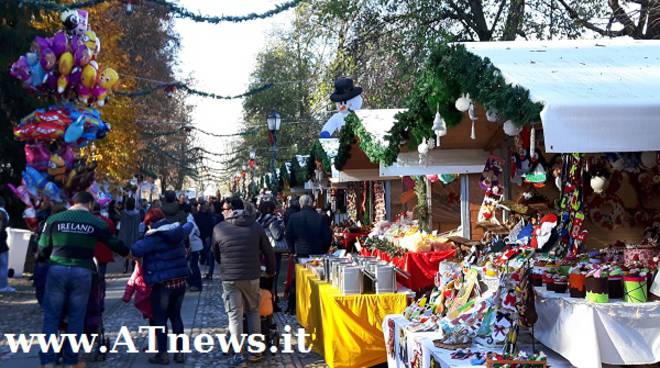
(648, 160)
(473, 116)
(439, 127)
(463, 103)
(423, 150)
(598, 183)
(511, 129)
(492, 116)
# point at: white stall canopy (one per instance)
(378, 122)
(438, 162)
(598, 95)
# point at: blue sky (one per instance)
(220, 58)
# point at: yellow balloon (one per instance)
(65, 63)
(88, 77)
(108, 78)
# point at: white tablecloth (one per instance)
(589, 334)
(406, 343)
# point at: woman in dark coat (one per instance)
(165, 270)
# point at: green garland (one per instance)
(317, 153)
(192, 91)
(350, 133)
(171, 7)
(451, 71)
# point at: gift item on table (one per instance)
(576, 284)
(635, 289)
(615, 283)
(597, 289)
(636, 255)
(560, 284)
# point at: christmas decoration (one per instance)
(511, 129)
(348, 98)
(380, 212)
(439, 127)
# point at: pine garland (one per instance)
(451, 71)
(352, 132)
(192, 91)
(171, 8)
(317, 153)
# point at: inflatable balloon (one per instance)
(47, 58)
(66, 152)
(37, 156)
(75, 130)
(37, 72)
(21, 70)
(60, 43)
(52, 192)
(65, 66)
(22, 193)
(30, 217)
(70, 20)
(57, 168)
(34, 179)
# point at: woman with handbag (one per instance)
(274, 227)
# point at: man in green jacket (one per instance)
(68, 241)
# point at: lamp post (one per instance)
(274, 122)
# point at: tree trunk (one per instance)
(653, 27)
(514, 20)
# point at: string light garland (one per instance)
(171, 8)
(171, 87)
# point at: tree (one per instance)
(292, 60)
(636, 18)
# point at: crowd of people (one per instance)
(167, 244)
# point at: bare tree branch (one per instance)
(497, 16)
(623, 18)
(586, 24)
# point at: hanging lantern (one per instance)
(492, 116)
(463, 103)
(439, 128)
(511, 129)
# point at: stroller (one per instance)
(268, 325)
(94, 318)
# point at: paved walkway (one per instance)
(202, 313)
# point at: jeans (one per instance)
(4, 269)
(195, 278)
(242, 296)
(166, 304)
(210, 259)
(67, 288)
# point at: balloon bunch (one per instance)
(64, 66)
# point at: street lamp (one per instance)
(274, 121)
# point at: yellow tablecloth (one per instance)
(346, 330)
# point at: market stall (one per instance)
(583, 224)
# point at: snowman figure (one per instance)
(348, 98)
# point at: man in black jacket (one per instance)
(239, 245)
(306, 232)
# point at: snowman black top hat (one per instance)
(344, 90)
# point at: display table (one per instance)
(422, 266)
(588, 334)
(408, 347)
(346, 330)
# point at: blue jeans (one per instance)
(67, 288)
(4, 269)
(166, 304)
(195, 278)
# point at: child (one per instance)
(137, 286)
